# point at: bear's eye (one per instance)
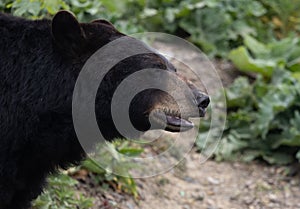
(172, 68)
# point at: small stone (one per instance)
(265, 185)
(210, 193)
(294, 182)
(235, 196)
(248, 200)
(248, 183)
(130, 206)
(182, 193)
(213, 180)
(186, 207)
(273, 197)
(236, 165)
(198, 196)
(210, 202)
(189, 179)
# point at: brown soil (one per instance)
(211, 185)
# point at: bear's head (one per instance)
(150, 108)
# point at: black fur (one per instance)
(35, 132)
(39, 63)
(37, 79)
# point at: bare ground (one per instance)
(211, 185)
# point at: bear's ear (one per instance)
(66, 30)
(104, 22)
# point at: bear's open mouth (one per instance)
(172, 120)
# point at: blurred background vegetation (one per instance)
(260, 37)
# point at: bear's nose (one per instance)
(202, 100)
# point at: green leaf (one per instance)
(114, 5)
(257, 48)
(298, 155)
(295, 67)
(284, 48)
(250, 155)
(131, 152)
(149, 13)
(239, 94)
(92, 166)
(278, 158)
(256, 8)
(245, 63)
(25, 7)
(52, 6)
(296, 76)
(291, 136)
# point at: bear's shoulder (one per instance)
(9, 20)
(12, 23)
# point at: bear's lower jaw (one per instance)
(169, 122)
(177, 124)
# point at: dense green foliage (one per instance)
(263, 58)
(263, 120)
(215, 25)
(263, 117)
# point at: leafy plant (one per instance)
(263, 120)
(263, 117)
(283, 15)
(264, 58)
(123, 183)
(35, 8)
(60, 194)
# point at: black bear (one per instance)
(39, 64)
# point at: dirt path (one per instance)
(219, 186)
(211, 185)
